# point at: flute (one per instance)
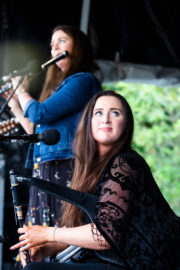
(15, 189)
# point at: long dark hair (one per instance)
(82, 60)
(88, 165)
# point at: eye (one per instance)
(115, 114)
(62, 40)
(98, 113)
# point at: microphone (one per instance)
(55, 59)
(31, 69)
(49, 137)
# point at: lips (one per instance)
(106, 129)
(58, 54)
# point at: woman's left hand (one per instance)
(33, 236)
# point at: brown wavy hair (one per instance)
(82, 60)
(88, 165)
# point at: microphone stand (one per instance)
(21, 138)
(5, 105)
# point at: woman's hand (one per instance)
(23, 259)
(38, 253)
(24, 85)
(33, 236)
(13, 102)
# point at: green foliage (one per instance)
(156, 113)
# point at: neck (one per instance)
(103, 150)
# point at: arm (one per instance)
(18, 113)
(117, 198)
(78, 236)
(72, 96)
(22, 91)
(18, 102)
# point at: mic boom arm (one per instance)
(85, 201)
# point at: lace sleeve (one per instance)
(133, 216)
(116, 198)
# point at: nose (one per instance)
(106, 118)
(56, 46)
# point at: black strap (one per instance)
(86, 202)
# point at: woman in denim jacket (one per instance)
(69, 85)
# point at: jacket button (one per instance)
(38, 159)
(38, 143)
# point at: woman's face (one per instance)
(107, 123)
(61, 42)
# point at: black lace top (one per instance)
(134, 217)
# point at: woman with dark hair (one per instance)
(133, 226)
(68, 86)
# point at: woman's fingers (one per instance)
(23, 248)
(23, 259)
(31, 237)
(23, 229)
(21, 244)
(22, 237)
(15, 246)
(20, 230)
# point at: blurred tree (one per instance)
(157, 133)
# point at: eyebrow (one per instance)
(110, 109)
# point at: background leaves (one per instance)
(156, 113)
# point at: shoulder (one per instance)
(127, 167)
(132, 158)
(80, 81)
(81, 76)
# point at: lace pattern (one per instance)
(133, 215)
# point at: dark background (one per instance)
(142, 31)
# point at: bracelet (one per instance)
(54, 234)
(20, 91)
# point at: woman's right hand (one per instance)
(36, 254)
(13, 102)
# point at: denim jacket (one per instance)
(61, 111)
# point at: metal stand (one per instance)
(2, 189)
(85, 15)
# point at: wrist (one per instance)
(52, 234)
(20, 91)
